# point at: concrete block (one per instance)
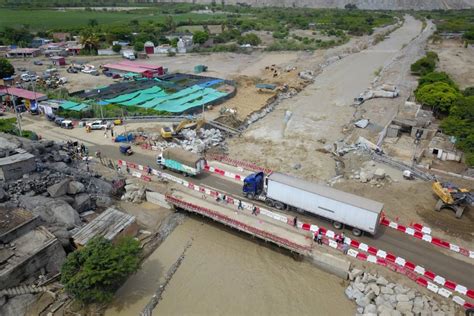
(158, 199)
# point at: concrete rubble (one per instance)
(375, 295)
(55, 191)
(134, 191)
(192, 140)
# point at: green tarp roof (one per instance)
(68, 104)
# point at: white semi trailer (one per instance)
(282, 191)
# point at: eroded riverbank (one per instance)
(228, 273)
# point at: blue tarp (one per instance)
(210, 83)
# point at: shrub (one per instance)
(440, 96)
(117, 48)
(95, 272)
(435, 77)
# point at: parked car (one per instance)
(100, 124)
(58, 120)
(38, 63)
(50, 117)
(67, 124)
(28, 77)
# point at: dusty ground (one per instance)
(456, 60)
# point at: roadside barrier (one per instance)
(417, 233)
(374, 255)
(224, 173)
(238, 163)
(239, 225)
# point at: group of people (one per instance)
(240, 206)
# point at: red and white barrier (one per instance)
(442, 287)
(417, 233)
(225, 173)
(238, 163)
(421, 228)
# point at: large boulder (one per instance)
(103, 201)
(3, 195)
(75, 187)
(59, 188)
(52, 211)
(82, 202)
(100, 186)
(17, 305)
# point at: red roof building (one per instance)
(143, 69)
(22, 93)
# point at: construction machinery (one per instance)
(452, 197)
(168, 133)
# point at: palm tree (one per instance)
(90, 40)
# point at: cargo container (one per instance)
(283, 191)
(182, 161)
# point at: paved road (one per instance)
(419, 252)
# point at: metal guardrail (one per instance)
(162, 118)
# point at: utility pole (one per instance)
(18, 117)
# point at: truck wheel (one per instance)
(250, 196)
(356, 232)
(269, 203)
(337, 225)
(439, 205)
(279, 205)
(162, 167)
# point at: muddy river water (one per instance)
(227, 273)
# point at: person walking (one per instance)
(319, 237)
(343, 238)
(295, 221)
(254, 210)
(240, 207)
(128, 170)
(345, 249)
(148, 169)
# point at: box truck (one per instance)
(282, 191)
(181, 160)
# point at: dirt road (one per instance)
(321, 112)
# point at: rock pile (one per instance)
(372, 175)
(58, 190)
(374, 295)
(134, 192)
(193, 141)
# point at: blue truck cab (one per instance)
(253, 185)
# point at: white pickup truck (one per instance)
(99, 124)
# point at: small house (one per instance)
(58, 60)
(149, 48)
(111, 224)
(443, 148)
(23, 53)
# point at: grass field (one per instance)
(52, 19)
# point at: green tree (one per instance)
(90, 40)
(92, 22)
(200, 37)
(6, 68)
(138, 46)
(435, 77)
(117, 48)
(250, 38)
(440, 96)
(93, 273)
(423, 66)
(469, 91)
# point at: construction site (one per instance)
(311, 172)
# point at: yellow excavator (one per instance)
(168, 133)
(452, 197)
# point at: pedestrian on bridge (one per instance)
(254, 210)
(240, 207)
